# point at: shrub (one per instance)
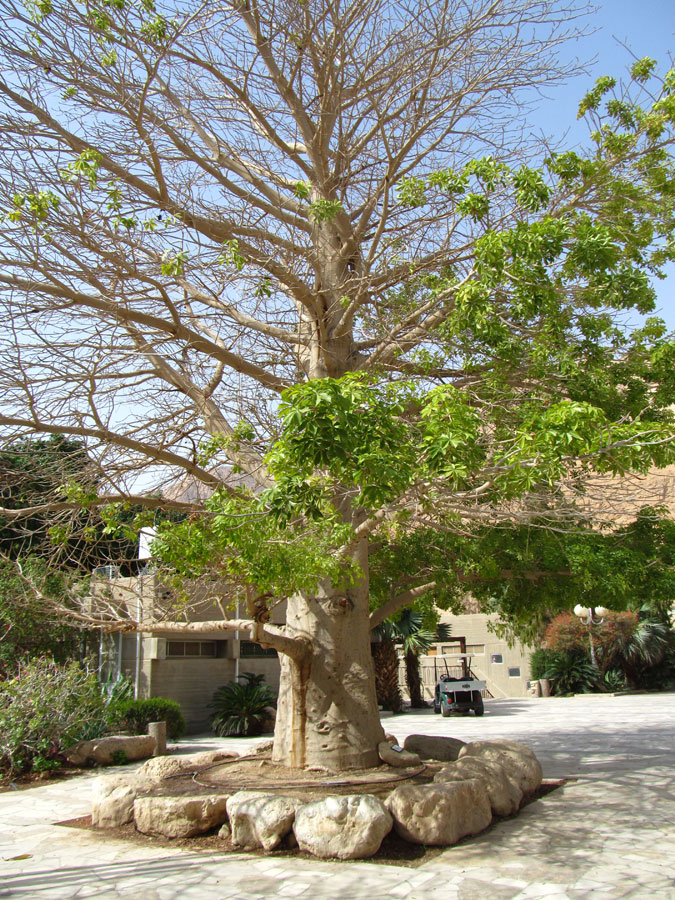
(639, 651)
(134, 715)
(573, 674)
(540, 662)
(568, 634)
(45, 708)
(240, 709)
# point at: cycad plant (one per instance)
(573, 674)
(241, 707)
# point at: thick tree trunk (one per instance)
(327, 712)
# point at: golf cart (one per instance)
(459, 693)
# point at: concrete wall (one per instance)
(191, 681)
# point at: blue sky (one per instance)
(645, 27)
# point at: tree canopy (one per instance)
(45, 485)
(313, 241)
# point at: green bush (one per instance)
(134, 716)
(573, 674)
(638, 652)
(540, 662)
(240, 709)
(45, 708)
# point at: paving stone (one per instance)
(609, 835)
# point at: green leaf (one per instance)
(323, 210)
(174, 265)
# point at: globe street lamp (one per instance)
(591, 616)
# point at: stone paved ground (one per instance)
(607, 834)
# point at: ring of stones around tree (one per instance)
(454, 793)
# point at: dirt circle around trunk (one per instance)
(258, 772)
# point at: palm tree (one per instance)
(644, 650)
(385, 659)
(407, 630)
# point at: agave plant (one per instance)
(117, 690)
(241, 707)
(614, 680)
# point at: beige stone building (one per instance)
(187, 668)
(506, 670)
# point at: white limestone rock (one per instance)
(160, 767)
(401, 759)
(258, 819)
(113, 799)
(210, 758)
(443, 749)
(78, 754)
(348, 827)
(179, 817)
(440, 814)
(263, 747)
(503, 792)
(518, 760)
(107, 751)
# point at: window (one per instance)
(497, 658)
(191, 649)
(456, 650)
(514, 671)
(250, 649)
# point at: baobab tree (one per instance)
(312, 242)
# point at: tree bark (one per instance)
(327, 711)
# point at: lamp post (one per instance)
(591, 616)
